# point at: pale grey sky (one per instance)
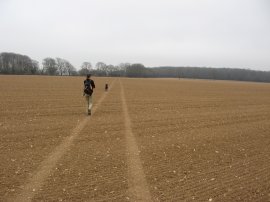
(216, 33)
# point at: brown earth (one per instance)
(197, 140)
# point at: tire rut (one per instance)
(138, 187)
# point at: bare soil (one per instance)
(197, 140)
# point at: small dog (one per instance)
(106, 87)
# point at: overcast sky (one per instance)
(216, 33)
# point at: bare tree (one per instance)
(110, 69)
(69, 68)
(123, 68)
(85, 68)
(60, 63)
(87, 65)
(35, 67)
(49, 66)
(101, 66)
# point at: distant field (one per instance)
(148, 139)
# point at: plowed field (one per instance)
(147, 140)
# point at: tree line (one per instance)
(12, 63)
(210, 73)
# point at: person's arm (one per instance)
(83, 88)
(93, 84)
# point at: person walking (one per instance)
(89, 86)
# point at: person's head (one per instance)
(88, 76)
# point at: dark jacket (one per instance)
(89, 84)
